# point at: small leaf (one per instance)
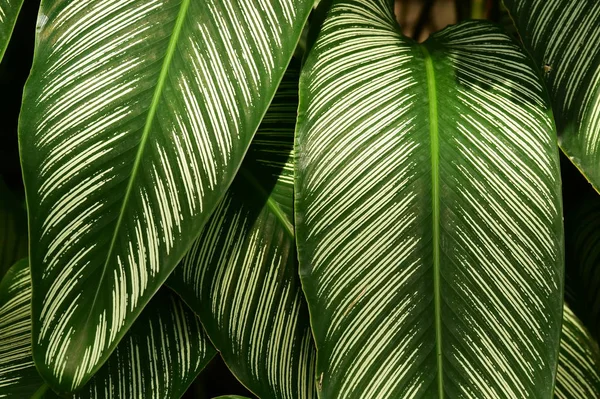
(578, 374)
(135, 120)
(159, 357)
(241, 274)
(428, 211)
(9, 11)
(18, 377)
(563, 36)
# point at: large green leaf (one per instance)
(159, 357)
(13, 229)
(241, 274)
(582, 228)
(428, 212)
(135, 120)
(563, 36)
(578, 374)
(9, 10)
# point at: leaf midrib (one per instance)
(435, 202)
(145, 134)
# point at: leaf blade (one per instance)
(563, 36)
(135, 120)
(365, 212)
(240, 275)
(9, 11)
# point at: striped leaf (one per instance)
(135, 120)
(563, 36)
(18, 376)
(241, 274)
(582, 229)
(159, 357)
(9, 10)
(578, 374)
(13, 229)
(428, 212)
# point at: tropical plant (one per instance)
(303, 196)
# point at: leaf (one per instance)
(241, 274)
(582, 232)
(159, 357)
(563, 36)
(9, 10)
(578, 374)
(18, 376)
(135, 120)
(13, 230)
(428, 212)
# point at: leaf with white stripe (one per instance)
(13, 229)
(563, 36)
(241, 274)
(159, 357)
(136, 117)
(428, 211)
(578, 375)
(582, 233)
(18, 377)
(9, 11)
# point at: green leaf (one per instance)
(582, 232)
(241, 274)
(9, 10)
(18, 377)
(159, 357)
(563, 36)
(428, 212)
(13, 229)
(578, 374)
(135, 120)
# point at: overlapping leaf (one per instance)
(563, 36)
(428, 211)
(578, 374)
(159, 357)
(241, 274)
(9, 10)
(18, 376)
(135, 119)
(13, 229)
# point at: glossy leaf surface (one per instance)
(9, 11)
(135, 120)
(428, 212)
(13, 229)
(578, 374)
(241, 274)
(563, 36)
(159, 357)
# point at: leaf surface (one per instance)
(563, 36)
(135, 119)
(428, 212)
(578, 375)
(241, 274)
(9, 11)
(159, 357)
